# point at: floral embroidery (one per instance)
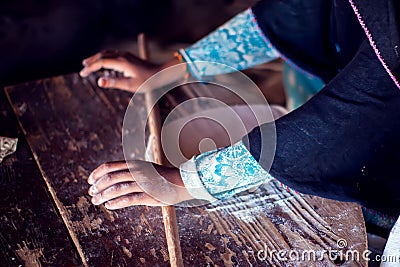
(223, 173)
(237, 44)
(193, 183)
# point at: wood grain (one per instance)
(233, 232)
(32, 233)
(72, 126)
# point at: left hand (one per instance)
(122, 184)
(134, 70)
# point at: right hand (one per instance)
(135, 71)
(121, 184)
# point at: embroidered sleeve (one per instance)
(239, 44)
(222, 173)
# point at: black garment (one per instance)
(345, 142)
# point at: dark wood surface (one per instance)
(72, 126)
(31, 229)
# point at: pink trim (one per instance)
(372, 43)
(287, 188)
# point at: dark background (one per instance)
(42, 38)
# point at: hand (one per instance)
(135, 71)
(122, 184)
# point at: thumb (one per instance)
(123, 83)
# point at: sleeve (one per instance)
(222, 173)
(343, 143)
(239, 44)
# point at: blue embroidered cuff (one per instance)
(239, 44)
(222, 173)
(193, 182)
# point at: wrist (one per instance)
(173, 177)
(177, 63)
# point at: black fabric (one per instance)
(300, 31)
(381, 18)
(343, 143)
(309, 32)
(347, 32)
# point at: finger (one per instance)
(103, 54)
(134, 199)
(118, 64)
(105, 168)
(115, 191)
(91, 59)
(123, 83)
(110, 179)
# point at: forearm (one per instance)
(337, 144)
(342, 144)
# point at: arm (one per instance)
(239, 44)
(217, 174)
(342, 144)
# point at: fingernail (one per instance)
(90, 179)
(83, 72)
(92, 190)
(102, 82)
(96, 200)
(84, 62)
(107, 205)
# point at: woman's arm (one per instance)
(337, 145)
(342, 144)
(238, 44)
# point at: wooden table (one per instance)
(47, 219)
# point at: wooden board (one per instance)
(32, 233)
(233, 232)
(72, 126)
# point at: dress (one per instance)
(343, 143)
